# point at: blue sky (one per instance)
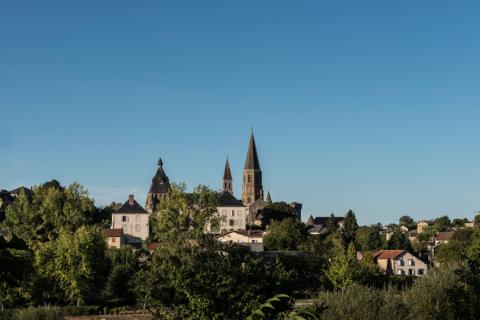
(364, 105)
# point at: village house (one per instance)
(317, 225)
(422, 226)
(442, 238)
(400, 262)
(133, 220)
(115, 238)
(250, 238)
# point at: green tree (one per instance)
(287, 234)
(441, 224)
(75, 262)
(123, 264)
(331, 225)
(406, 221)
(51, 209)
(350, 226)
(399, 241)
(184, 214)
(369, 238)
(343, 269)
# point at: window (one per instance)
(420, 272)
(231, 222)
(138, 228)
(400, 272)
(400, 262)
(411, 272)
(411, 262)
(254, 241)
(233, 213)
(114, 240)
(124, 219)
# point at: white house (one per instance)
(133, 220)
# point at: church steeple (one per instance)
(252, 188)
(269, 199)
(252, 163)
(227, 178)
(158, 189)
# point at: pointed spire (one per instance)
(252, 157)
(227, 175)
(269, 198)
(160, 162)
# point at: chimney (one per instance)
(131, 199)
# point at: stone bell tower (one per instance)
(252, 189)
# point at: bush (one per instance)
(355, 302)
(39, 313)
(47, 312)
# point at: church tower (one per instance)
(158, 190)
(227, 179)
(252, 189)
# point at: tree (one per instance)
(285, 235)
(369, 238)
(350, 226)
(184, 214)
(331, 225)
(399, 241)
(344, 267)
(123, 264)
(476, 220)
(75, 262)
(51, 209)
(406, 221)
(441, 224)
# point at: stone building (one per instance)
(133, 220)
(252, 189)
(400, 262)
(158, 189)
(232, 212)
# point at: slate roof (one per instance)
(131, 206)
(323, 220)
(252, 157)
(387, 254)
(16, 192)
(226, 199)
(227, 175)
(160, 182)
(113, 233)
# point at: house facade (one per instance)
(400, 262)
(250, 238)
(115, 238)
(133, 220)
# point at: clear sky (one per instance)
(366, 105)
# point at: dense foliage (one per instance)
(53, 252)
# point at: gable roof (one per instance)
(252, 157)
(226, 199)
(387, 254)
(131, 206)
(113, 233)
(323, 220)
(444, 236)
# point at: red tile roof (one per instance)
(387, 254)
(113, 233)
(153, 246)
(443, 236)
